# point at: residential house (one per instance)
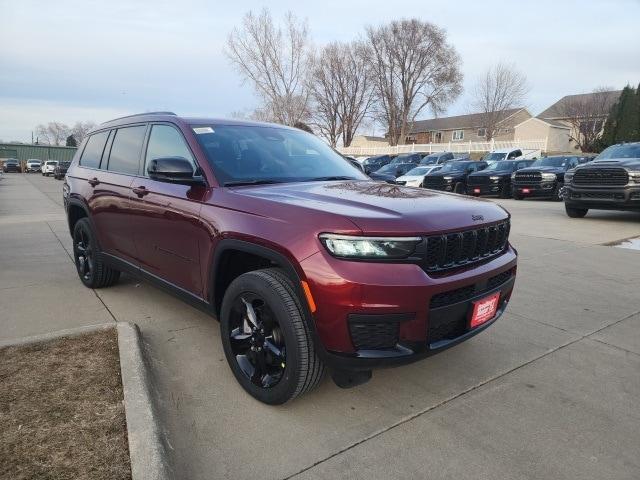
(557, 134)
(464, 128)
(567, 111)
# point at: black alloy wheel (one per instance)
(256, 340)
(83, 254)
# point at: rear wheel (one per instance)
(266, 339)
(575, 212)
(92, 271)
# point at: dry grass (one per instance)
(61, 410)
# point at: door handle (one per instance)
(93, 181)
(140, 191)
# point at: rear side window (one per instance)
(93, 150)
(125, 150)
(166, 141)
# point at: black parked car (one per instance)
(11, 165)
(390, 172)
(544, 178)
(495, 179)
(610, 182)
(60, 170)
(452, 177)
(372, 164)
(414, 158)
(441, 157)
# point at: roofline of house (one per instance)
(472, 127)
(543, 121)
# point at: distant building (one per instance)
(559, 112)
(24, 152)
(464, 128)
(369, 141)
(557, 134)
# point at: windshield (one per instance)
(418, 171)
(453, 167)
(551, 162)
(405, 158)
(495, 156)
(387, 169)
(620, 151)
(499, 166)
(379, 159)
(65, 164)
(13, 162)
(33, 161)
(256, 154)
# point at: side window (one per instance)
(514, 154)
(125, 150)
(93, 150)
(458, 135)
(166, 141)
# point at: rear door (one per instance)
(109, 177)
(167, 230)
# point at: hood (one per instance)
(623, 162)
(375, 208)
(492, 173)
(543, 169)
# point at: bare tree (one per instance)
(53, 133)
(80, 130)
(499, 90)
(325, 92)
(275, 60)
(413, 68)
(586, 115)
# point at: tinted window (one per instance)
(620, 151)
(125, 150)
(93, 150)
(250, 154)
(166, 141)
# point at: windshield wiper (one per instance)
(250, 182)
(327, 179)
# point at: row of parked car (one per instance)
(609, 181)
(507, 173)
(54, 168)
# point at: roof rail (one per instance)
(139, 115)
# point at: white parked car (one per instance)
(33, 165)
(48, 167)
(511, 154)
(415, 176)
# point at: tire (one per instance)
(575, 212)
(505, 191)
(556, 193)
(277, 309)
(91, 269)
(516, 196)
(460, 188)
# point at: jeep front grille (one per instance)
(453, 250)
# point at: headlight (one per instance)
(351, 246)
(513, 176)
(494, 178)
(548, 177)
(447, 179)
(568, 176)
(634, 177)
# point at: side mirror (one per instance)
(173, 170)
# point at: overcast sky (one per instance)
(91, 60)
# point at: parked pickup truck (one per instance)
(452, 177)
(33, 165)
(511, 154)
(544, 178)
(495, 179)
(610, 182)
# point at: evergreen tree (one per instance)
(623, 122)
(71, 141)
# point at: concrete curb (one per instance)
(146, 449)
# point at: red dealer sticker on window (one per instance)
(484, 309)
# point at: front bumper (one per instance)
(604, 198)
(402, 295)
(544, 189)
(484, 189)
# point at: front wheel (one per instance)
(460, 188)
(266, 339)
(575, 212)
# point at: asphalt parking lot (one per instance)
(550, 391)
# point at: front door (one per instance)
(167, 229)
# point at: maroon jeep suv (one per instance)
(307, 263)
